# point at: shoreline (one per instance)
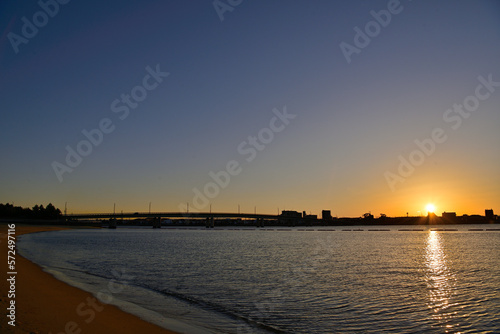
(45, 304)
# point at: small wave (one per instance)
(220, 309)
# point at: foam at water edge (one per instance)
(128, 307)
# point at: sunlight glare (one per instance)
(430, 208)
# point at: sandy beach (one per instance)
(44, 304)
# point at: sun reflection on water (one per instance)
(440, 284)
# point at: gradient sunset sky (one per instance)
(353, 120)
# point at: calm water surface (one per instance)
(277, 281)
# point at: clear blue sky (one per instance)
(353, 120)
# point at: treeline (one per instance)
(37, 212)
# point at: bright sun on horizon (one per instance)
(430, 207)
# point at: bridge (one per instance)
(156, 217)
(185, 215)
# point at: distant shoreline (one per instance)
(282, 222)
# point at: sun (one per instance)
(430, 208)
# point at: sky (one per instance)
(348, 106)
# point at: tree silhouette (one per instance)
(37, 212)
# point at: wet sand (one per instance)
(44, 304)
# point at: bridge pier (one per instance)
(209, 222)
(157, 223)
(112, 223)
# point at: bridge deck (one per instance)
(170, 215)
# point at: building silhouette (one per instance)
(290, 214)
(326, 215)
(449, 215)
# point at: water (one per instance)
(294, 281)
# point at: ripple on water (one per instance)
(285, 281)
